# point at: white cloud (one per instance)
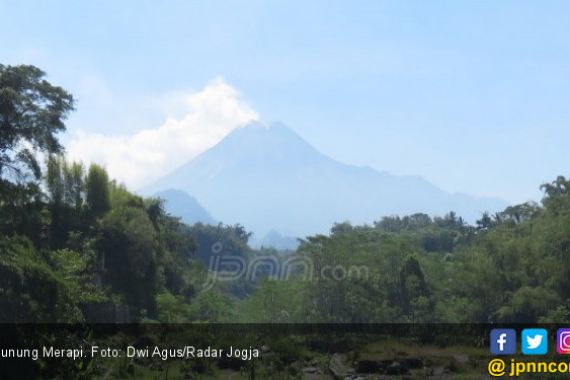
(137, 159)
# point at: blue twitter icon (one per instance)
(534, 341)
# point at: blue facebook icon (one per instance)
(503, 342)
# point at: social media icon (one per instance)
(534, 341)
(504, 342)
(563, 341)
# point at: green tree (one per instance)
(128, 248)
(30, 290)
(414, 292)
(212, 306)
(97, 184)
(32, 113)
(75, 185)
(65, 189)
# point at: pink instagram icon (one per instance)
(563, 341)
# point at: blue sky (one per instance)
(471, 95)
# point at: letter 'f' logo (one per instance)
(503, 341)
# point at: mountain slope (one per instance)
(180, 204)
(270, 178)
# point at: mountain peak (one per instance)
(267, 177)
(258, 132)
(258, 144)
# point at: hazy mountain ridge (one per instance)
(180, 204)
(275, 240)
(270, 178)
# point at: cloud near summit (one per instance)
(136, 159)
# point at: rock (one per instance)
(461, 359)
(438, 371)
(337, 368)
(413, 363)
(397, 368)
(311, 370)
